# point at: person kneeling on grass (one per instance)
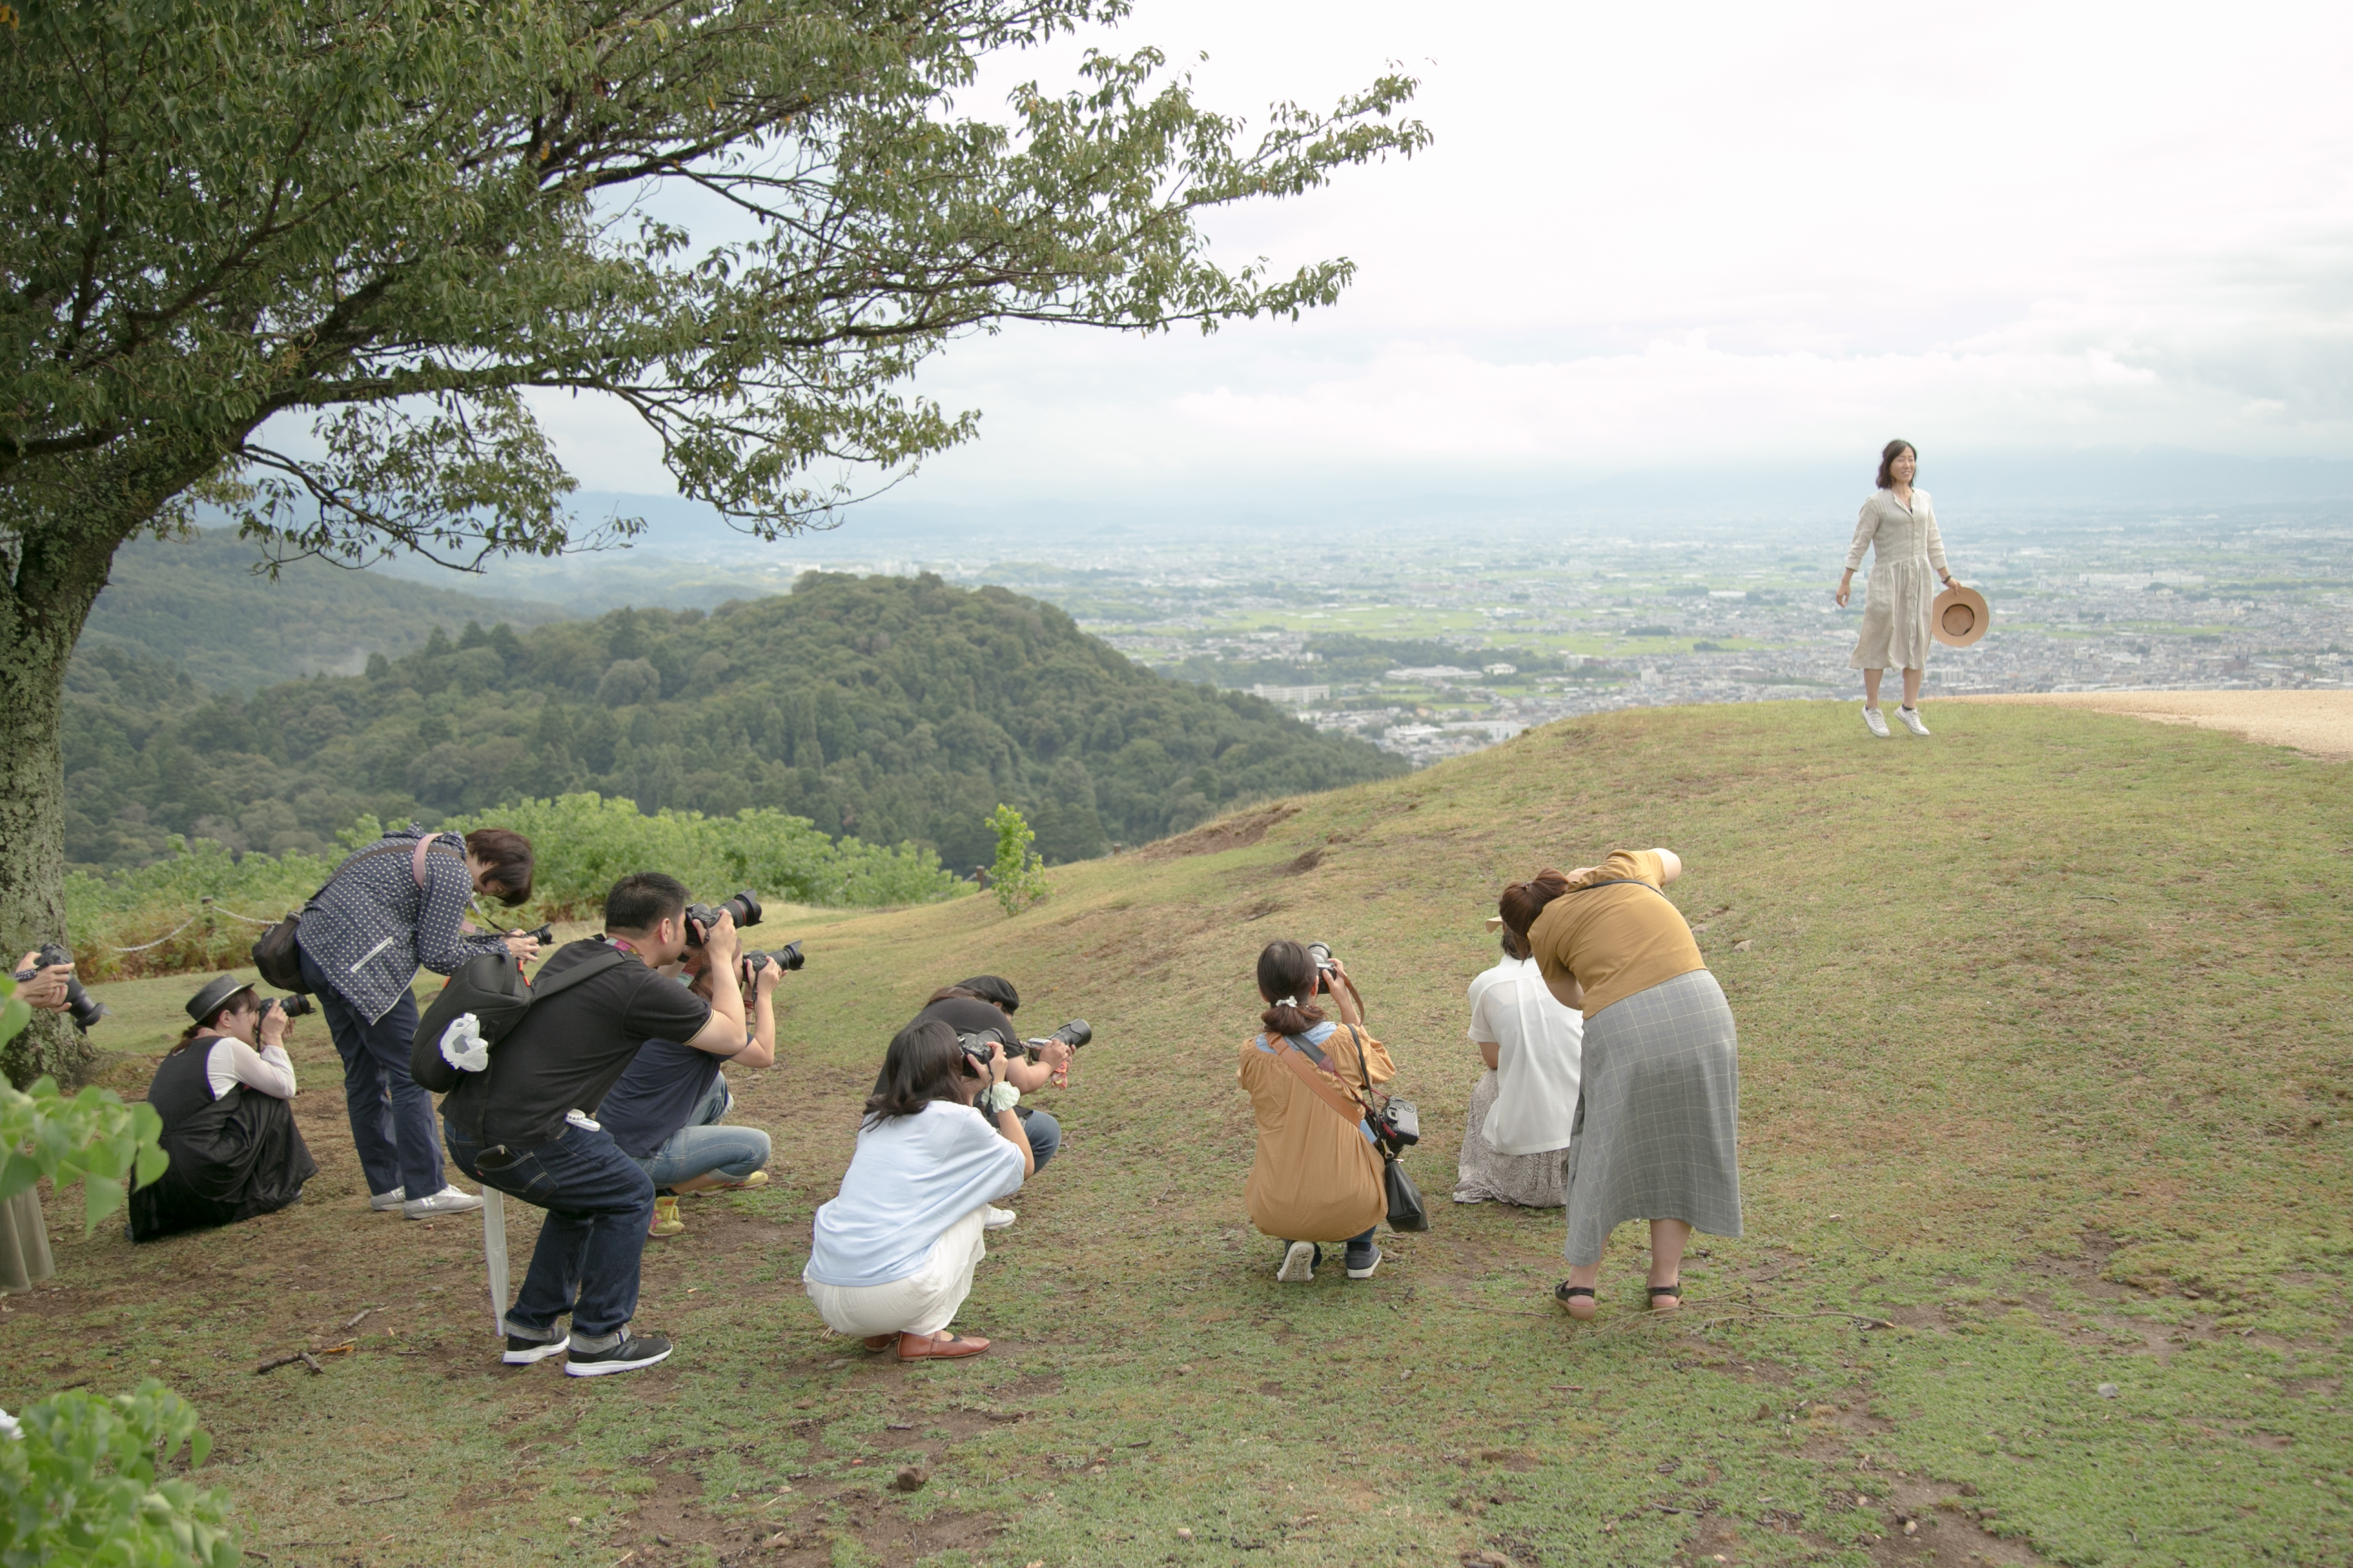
(895, 1253)
(1317, 1176)
(665, 1112)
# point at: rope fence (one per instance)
(204, 907)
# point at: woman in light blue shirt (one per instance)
(895, 1251)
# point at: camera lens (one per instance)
(745, 907)
(791, 956)
(1073, 1034)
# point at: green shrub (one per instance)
(1019, 878)
(203, 907)
(80, 1487)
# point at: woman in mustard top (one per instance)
(1317, 1176)
(1658, 1118)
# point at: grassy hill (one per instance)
(891, 708)
(195, 603)
(2045, 1065)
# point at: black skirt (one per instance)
(233, 1156)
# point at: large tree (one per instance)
(379, 222)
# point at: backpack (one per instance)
(480, 1005)
(275, 952)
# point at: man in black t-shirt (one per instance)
(526, 1125)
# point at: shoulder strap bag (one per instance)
(480, 1005)
(1391, 1130)
(275, 954)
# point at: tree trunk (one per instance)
(58, 530)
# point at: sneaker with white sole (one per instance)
(384, 1203)
(1363, 1270)
(521, 1352)
(997, 1218)
(1911, 716)
(633, 1352)
(1298, 1264)
(449, 1200)
(1876, 721)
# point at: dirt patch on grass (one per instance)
(1238, 832)
(2318, 724)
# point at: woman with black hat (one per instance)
(228, 1120)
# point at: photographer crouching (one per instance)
(666, 1110)
(984, 1004)
(895, 1253)
(525, 1124)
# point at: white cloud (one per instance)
(1774, 230)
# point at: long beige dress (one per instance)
(1908, 556)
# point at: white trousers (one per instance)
(922, 1303)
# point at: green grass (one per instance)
(2045, 1065)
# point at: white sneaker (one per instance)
(1877, 721)
(997, 1218)
(1911, 717)
(1298, 1264)
(449, 1200)
(384, 1203)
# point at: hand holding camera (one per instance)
(45, 979)
(1055, 1050)
(704, 922)
(274, 1019)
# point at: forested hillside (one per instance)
(893, 709)
(196, 601)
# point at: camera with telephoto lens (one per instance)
(1321, 952)
(787, 958)
(292, 1006)
(86, 1009)
(699, 917)
(1073, 1034)
(545, 935)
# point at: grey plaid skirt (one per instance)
(1659, 1121)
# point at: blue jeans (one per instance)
(1045, 1133)
(598, 1205)
(1360, 1249)
(702, 1147)
(392, 1116)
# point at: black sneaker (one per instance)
(634, 1352)
(521, 1352)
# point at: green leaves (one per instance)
(1019, 876)
(86, 1486)
(93, 1138)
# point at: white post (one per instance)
(494, 1253)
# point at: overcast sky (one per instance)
(1771, 234)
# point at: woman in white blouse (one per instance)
(1516, 1139)
(228, 1118)
(1899, 525)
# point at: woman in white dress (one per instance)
(1899, 526)
(1515, 1138)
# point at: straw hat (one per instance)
(1959, 616)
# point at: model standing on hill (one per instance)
(1899, 525)
(1657, 1117)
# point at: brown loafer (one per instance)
(939, 1347)
(880, 1342)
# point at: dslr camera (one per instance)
(292, 1006)
(979, 1048)
(1073, 1034)
(787, 958)
(699, 917)
(1321, 952)
(85, 1008)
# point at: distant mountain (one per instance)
(196, 603)
(894, 708)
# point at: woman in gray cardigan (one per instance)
(1899, 525)
(391, 908)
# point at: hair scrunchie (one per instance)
(1288, 1001)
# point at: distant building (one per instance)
(1292, 694)
(1431, 672)
(1502, 669)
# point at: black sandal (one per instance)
(1676, 1290)
(1567, 1294)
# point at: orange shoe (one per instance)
(939, 1347)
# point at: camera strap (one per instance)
(1321, 1077)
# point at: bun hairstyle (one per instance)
(1512, 945)
(1523, 901)
(1888, 455)
(919, 1068)
(1285, 970)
